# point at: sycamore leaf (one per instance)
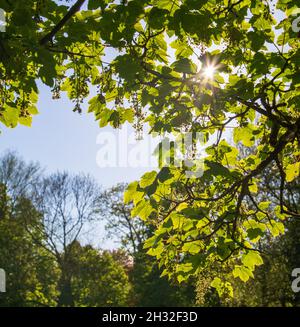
(143, 210)
(132, 193)
(242, 272)
(243, 135)
(292, 171)
(252, 259)
(185, 65)
(148, 179)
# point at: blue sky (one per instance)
(63, 140)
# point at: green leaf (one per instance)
(243, 273)
(148, 179)
(292, 171)
(143, 210)
(177, 220)
(217, 169)
(276, 228)
(216, 283)
(157, 18)
(132, 193)
(164, 175)
(257, 40)
(244, 135)
(184, 65)
(192, 247)
(252, 259)
(157, 251)
(253, 188)
(127, 67)
(264, 205)
(96, 4)
(223, 288)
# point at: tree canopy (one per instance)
(148, 62)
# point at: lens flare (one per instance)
(209, 71)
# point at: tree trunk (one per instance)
(66, 297)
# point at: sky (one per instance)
(63, 140)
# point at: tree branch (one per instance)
(73, 10)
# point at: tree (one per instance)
(273, 280)
(31, 272)
(42, 220)
(272, 283)
(18, 176)
(99, 280)
(219, 217)
(131, 232)
(147, 288)
(234, 63)
(67, 205)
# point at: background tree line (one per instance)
(43, 220)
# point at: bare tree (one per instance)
(17, 176)
(67, 204)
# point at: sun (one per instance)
(209, 71)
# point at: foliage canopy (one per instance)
(146, 59)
